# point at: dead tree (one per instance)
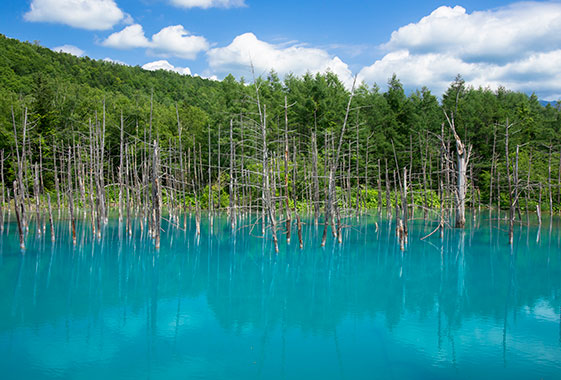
(37, 201)
(121, 163)
(331, 196)
(3, 200)
(315, 175)
(70, 198)
(156, 211)
(463, 155)
(549, 183)
(17, 207)
(287, 192)
(493, 167)
(20, 164)
(268, 204)
(57, 185)
(51, 226)
(511, 195)
(231, 205)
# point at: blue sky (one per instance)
(491, 43)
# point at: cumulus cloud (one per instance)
(247, 49)
(517, 46)
(205, 4)
(209, 77)
(487, 36)
(172, 41)
(70, 49)
(176, 41)
(165, 65)
(115, 61)
(130, 37)
(84, 14)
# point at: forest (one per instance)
(97, 135)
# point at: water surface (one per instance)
(225, 306)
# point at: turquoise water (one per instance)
(225, 306)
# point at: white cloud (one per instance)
(486, 36)
(116, 61)
(432, 69)
(247, 49)
(518, 46)
(130, 37)
(177, 42)
(70, 49)
(205, 4)
(84, 14)
(210, 77)
(171, 41)
(165, 65)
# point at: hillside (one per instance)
(63, 94)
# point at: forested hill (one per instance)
(63, 94)
(23, 65)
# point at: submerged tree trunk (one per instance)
(51, 226)
(17, 206)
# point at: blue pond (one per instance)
(225, 306)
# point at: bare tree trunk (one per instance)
(219, 176)
(462, 155)
(517, 184)
(70, 197)
(405, 207)
(210, 192)
(37, 205)
(127, 187)
(366, 177)
(493, 166)
(379, 188)
(268, 204)
(199, 187)
(510, 190)
(121, 163)
(51, 226)
(315, 176)
(20, 162)
(100, 168)
(286, 186)
(498, 194)
(424, 167)
(528, 187)
(411, 174)
(57, 186)
(388, 193)
(549, 183)
(331, 196)
(17, 207)
(442, 205)
(156, 194)
(3, 200)
(559, 183)
(231, 208)
(298, 221)
(539, 206)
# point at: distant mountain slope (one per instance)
(21, 62)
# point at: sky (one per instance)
(491, 43)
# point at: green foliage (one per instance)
(64, 94)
